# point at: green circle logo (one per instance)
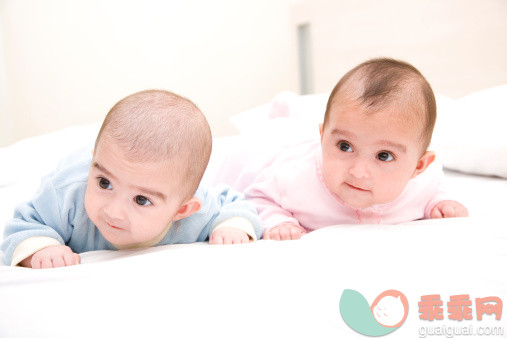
(385, 315)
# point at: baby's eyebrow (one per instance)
(401, 148)
(342, 132)
(157, 194)
(103, 169)
(146, 191)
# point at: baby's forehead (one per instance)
(377, 90)
(158, 163)
(405, 103)
(395, 115)
(401, 107)
(139, 156)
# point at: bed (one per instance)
(270, 288)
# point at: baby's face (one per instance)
(130, 202)
(368, 159)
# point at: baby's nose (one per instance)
(115, 210)
(360, 169)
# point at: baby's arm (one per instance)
(236, 220)
(442, 205)
(448, 209)
(54, 256)
(37, 224)
(278, 223)
(229, 235)
(285, 231)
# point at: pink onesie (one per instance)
(289, 188)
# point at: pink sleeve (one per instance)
(440, 192)
(267, 198)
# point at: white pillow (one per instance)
(471, 136)
(284, 105)
(289, 104)
(34, 157)
(252, 119)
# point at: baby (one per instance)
(140, 188)
(371, 164)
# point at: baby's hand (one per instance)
(285, 231)
(54, 256)
(446, 209)
(228, 235)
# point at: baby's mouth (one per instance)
(114, 227)
(354, 187)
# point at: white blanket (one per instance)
(266, 288)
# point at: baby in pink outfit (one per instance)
(371, 164)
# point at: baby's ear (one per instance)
(188, 208)
(424, 162)
(321, 131)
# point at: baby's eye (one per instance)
(385, 156)
(141, 200)
(104, 184)
(344, 146)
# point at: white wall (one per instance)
(68, 62)
(459, 45)
(64, 62)
(6, 123)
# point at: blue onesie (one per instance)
(57, 212)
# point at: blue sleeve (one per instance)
(42, 216)
(221, 203)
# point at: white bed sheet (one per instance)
(266, 288)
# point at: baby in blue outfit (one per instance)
(139, 188)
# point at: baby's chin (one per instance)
(115, 240)
(124, 243)
(357, 203)
(366, 201)
(114, 237)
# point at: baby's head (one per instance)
(149, 157)
(377, 127)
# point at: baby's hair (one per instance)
(155, 125)
(383, 82)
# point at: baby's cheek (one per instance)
(333, 181)
(89, 207)
(389, 189)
